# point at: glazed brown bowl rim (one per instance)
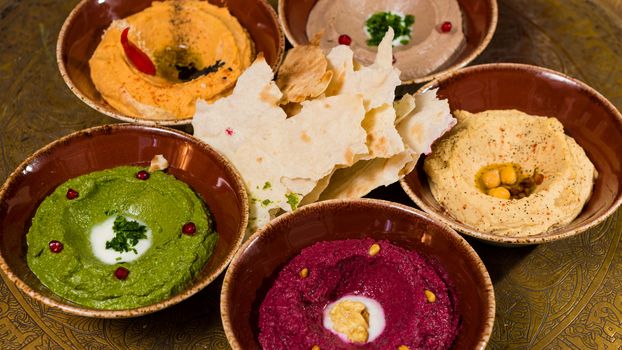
(556, 234)
(465, 61)
(193, 288)
(112, 112)
(488, 321)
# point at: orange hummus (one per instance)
(176, 35)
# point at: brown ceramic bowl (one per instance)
(83, 29)
(264, 254)
(587, 116)
(208, 173)
(479, 18)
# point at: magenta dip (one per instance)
(291, 315)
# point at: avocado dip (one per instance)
(120, 238)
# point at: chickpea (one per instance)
(508, 175)
(429, 296)
(491, 178)
(499, 192)
(374, 249)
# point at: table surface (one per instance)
(561, 295)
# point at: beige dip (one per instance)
(428, 50)
(510, 136)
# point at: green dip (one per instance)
(162, 203)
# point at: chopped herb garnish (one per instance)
(127, 234)
(293, 200)
(266, 202)
(190, 72)
(267, 185)
(378, 24)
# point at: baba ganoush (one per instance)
(432, 38)
(359, 293)
(120, 238)
(510, 173)
(192, 49)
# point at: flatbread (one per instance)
(303, 74)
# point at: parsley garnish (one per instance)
(292, 200)
(127, 234)
(267, 185)
(378, 24)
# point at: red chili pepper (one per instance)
(139, 59)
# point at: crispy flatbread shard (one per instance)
(315, 193)
(292, 108)
(383, 140)
(376, 82)
(250, 109)
(341, 63)
(419, 129)
(430, 119)
(403, 107)
(158, 162)
(303, 74)
(366, 175)
(298, 152)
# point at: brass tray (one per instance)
(561, 295)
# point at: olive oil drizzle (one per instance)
(179, 63)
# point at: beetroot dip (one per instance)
(291, 315)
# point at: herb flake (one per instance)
(293, 200)
(378, 24)
(127, 235)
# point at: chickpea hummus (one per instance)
(198, 50)
(359, 293)
(510, 173)
(436, 36)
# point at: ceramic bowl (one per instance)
(208, 173)
(479, 24)
(586, 115)
(83, 29)
(265, 253)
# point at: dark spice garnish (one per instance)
(190, 72)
